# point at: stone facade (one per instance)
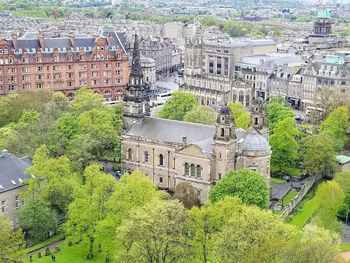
(64, 62)
(161, 50)
(210, 67)
(170, 152)
(12, 184)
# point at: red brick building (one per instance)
(64, 62)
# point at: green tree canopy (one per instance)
(201, 114)
(318, 155)
(252, 235)
(336, 125)
(330, 196)
(246, 184)
(11, 243)
(277, 112)
(157, 232)
(239, 115)
(284, 146)
(132, 191)
(89, 206)
(208, 220)
(178, 105)
(37, 218)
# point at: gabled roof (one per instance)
(171, 131)
(12, 171)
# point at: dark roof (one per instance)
(224, 110)
(27, 43)
(171, 131)
(84, 42)
(12, 172)
(57, 43)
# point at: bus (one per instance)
(314, 111)
(160, 99)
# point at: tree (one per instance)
(60, 180)
(252, 235)
(208, 220)
(239, 115)
(336, 125)
(13, 105)
(330, 197)
(318, 155)
(277, 112)
(89, 206)
(344, 209)
(157, 232)
(316, 245)
(246, 184)
(186, 194)
(284, 146)
(37, 218)
(178, 105)
(85, 100)
(11, 243)
(132, 191)
(201, 114)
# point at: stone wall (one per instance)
(303, 191)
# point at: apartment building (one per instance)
(64, 62)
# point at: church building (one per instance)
(170, 152)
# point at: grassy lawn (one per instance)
(309, 208)
(289, 197)
(43, 244)
(294, 172)
(277, 180)
(344, 247)
(73, 254)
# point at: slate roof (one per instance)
(171, 131)
(12, 172)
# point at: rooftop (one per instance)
(12, 171)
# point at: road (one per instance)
(169, 85)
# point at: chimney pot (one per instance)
(5, 153)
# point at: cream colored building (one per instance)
(210, 67)
(170, 152)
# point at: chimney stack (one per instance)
(5, 153)
(14, 39)
(184, 140)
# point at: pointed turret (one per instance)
(136, 68)
(136, 99)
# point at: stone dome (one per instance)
(255, 142)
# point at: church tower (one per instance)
(136, 99)
(224, 143)
(259, 118)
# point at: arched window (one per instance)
(161, 159)
(193, 170)
(222, 132)
(146, 157)
(129, 154)
(199, 171)
(187, 169)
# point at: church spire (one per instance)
(136, 69)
